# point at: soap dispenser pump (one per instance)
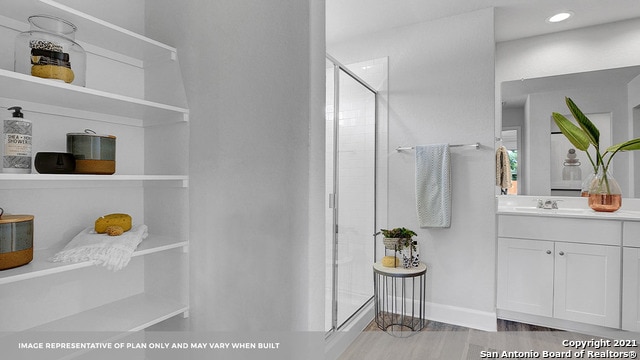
(17, 133)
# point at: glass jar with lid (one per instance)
(48, 50)
(571, 170)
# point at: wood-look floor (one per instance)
(450, 342)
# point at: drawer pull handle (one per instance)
(561, 253)
(548, 251)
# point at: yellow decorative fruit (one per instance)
(390, 261)
(114, 230)
(53, 72)
(122, 220)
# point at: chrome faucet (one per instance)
(547, 204)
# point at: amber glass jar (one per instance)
(605, 194)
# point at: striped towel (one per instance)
(433, 186)
(503, 169)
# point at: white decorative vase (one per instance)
(410, 255)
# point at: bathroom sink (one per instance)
(535, 210)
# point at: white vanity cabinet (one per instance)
(560, 268)
(134, 92)
(525, 276)
(631, 277)
(587, 284)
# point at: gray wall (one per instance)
(441, 89)
(254, 77)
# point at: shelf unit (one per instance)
(41, 266)
(154, 287)
(20, 87)
(94, 30)
(38, 181)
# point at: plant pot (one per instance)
(604, 193)
(391, 243)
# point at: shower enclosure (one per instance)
(351, 188)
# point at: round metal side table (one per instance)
(399, 296)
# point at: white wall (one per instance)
(254, 76)
(441, 89)
(128, 14)
(593, 48)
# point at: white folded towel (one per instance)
(433, 186)
(113, 252)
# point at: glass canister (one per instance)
(571, 170)
(49, 51)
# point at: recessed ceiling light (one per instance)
(562, 16)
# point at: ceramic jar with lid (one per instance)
(16, 240)
(94, 153)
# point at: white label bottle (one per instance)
(16, 155)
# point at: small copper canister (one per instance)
(16, 240)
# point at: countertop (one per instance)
(568, 207)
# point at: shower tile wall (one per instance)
(357, 136)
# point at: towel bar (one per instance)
(476, 145)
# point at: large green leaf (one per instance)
(630, 145)
(576, 135)
(589, 128)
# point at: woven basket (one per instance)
(391, 243)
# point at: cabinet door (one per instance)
(525, 276)
(631, 289)
(587, 283)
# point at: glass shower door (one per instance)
(351, 144)
(355, 198)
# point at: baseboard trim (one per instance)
(566, 325)
(340, 340)
(474, 319)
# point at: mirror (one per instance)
(610, 98)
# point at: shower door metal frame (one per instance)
(334, 196)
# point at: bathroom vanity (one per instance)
(567, 266)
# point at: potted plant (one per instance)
(401, 239)
(397, 238)
(604, 192)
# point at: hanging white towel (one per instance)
(503, 169)
(433, 186)
(113, 252)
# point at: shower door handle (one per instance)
(332, 201)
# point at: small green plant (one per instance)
(405, 235)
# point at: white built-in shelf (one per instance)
(157, 62)
(131, 314)
(91, 29)
(21, 87)
(33, 181)
(85, 177)
(41, 266)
